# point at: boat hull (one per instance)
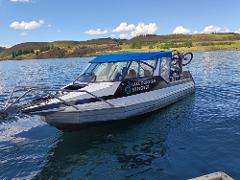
(124, 107)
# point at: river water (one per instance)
(197, 135)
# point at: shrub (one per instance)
(136, 45)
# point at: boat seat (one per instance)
(147, 73)
(131, 74)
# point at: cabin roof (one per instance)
(136, 56)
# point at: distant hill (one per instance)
(2, 49)
(61, 49)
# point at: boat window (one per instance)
(151, 63)
(165, 68)
(147, 68)
(132, 71)
(145, 71)
(112, 71)
(141, 69)
(90, 68)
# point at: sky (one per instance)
(51, 20)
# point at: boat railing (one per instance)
(46, 92)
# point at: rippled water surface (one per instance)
(195, 136)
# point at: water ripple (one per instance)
(195, 136)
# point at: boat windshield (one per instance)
(99, 72)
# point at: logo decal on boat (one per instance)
(130, 87)
(142, 85)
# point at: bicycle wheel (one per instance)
(187, 58)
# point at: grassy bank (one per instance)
(62, 49)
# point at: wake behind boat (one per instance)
(112, 87)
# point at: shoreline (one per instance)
(186, 50)
(101, 46)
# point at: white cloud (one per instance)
(49, 25)
(112, 35)
(26, 25)
(225, 30)
(124, 36)
(181, 30)
(4, 45)
(23, 34)
(126, 30)
(21, 1)
(214, 29)
(124, 27)
(238, 31)
(195, 32)
(211, 29)
(94, 32)
(142, 29)
(129, 31)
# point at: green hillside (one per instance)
(61, 49)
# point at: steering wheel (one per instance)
(187, 58)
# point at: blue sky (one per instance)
(50, 20)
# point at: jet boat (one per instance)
(112, 87)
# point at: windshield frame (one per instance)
(129, 63)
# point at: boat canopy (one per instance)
(131, 57)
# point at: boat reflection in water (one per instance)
(107, 151)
